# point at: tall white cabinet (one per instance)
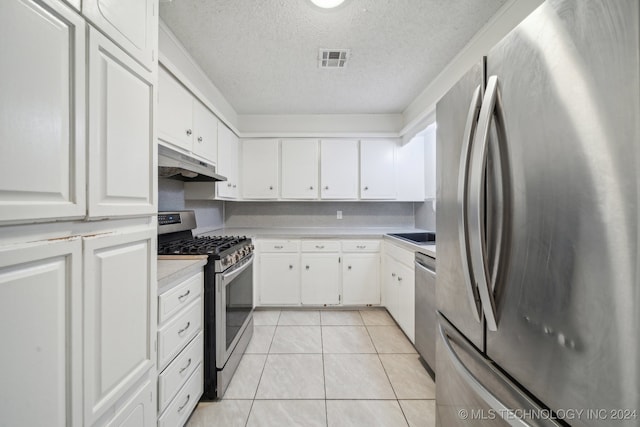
(78, 187)
(42, 111)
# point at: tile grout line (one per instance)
(255, 393)
(324, 376)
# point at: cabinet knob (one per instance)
(366, 188)
(349, 267)
(326, 187)
(290, 267)
(307, 267)
(271, 187)
(311, 187)
(393, 274)
(199, 139)
(229, 185)
(234, 186)
(189, 132)
(399, 279)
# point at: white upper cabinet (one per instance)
(175, 112)
(260, 168)
(339, 169)
(184, 121)
(299, 169)
(377, 169)
(41, 327)
(133, 25)
(121, 139)
(430, 163)
(410, 171)
(42, 112)
(120, 317)
(205, 132)
(228, 147)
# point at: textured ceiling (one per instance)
(262, 54)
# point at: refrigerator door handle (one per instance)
(477, 235)
(463, 195)
(476, 385)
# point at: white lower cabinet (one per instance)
(361, 279)
(180, 348)
(320, 278)
(140, 410)
(119, 318)
(398, 293)
(279, 278)
(40, 325)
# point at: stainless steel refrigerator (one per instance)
(538, 286)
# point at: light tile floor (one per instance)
(325, 368)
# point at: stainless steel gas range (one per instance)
(228, 294)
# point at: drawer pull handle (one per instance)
(319, 246)
(185, 403)
(182, 297)
(278, 247)
(183, 330)
(186, 366)
(361, 247)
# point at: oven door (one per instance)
(234, 305)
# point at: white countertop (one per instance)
(172, 269)
(327, 233)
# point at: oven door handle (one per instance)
(228, 277)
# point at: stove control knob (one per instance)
(237, 256)
(229, 259)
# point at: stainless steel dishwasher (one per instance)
(426, 320)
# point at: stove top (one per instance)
(210, 245)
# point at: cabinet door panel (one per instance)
(227, 163)
(339, 169)
(131, 24)
(175, 113)
(320, 279)
(279, 278)
(122, 179)
(260, 169)
(406, 300)
(300, 169)
(140, 409)
(120, 315)
(205, 128)
(377, 169)
(361, 279)
(42, 111)
(40, 325)
(410, 170)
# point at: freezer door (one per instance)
(456, 115)
(475, 393)
(567, 310)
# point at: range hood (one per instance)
(175, 165)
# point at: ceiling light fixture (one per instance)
(327, 4)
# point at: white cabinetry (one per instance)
(278, 271)
(299, 169)
(139, 411)
(42, 111)
(131, 24)
(180, 346)
(410, 171)
(377, 169)
(120, 317)
(361, 272)
(121, 138)
(184, 121)
(260, 168)
(398, 293)
(40, 325)
(338, 169)
(430, 162)
(320, 272)
(228, 147)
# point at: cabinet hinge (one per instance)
(339, 260)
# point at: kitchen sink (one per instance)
(421, 238)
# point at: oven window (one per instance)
(239, 303)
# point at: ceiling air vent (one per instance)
(333, 58)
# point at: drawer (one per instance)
(320, 246)
(175, 335)
(279, 245)
(172, 301)
(174, 377)
(361, 245)
(187, 398)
